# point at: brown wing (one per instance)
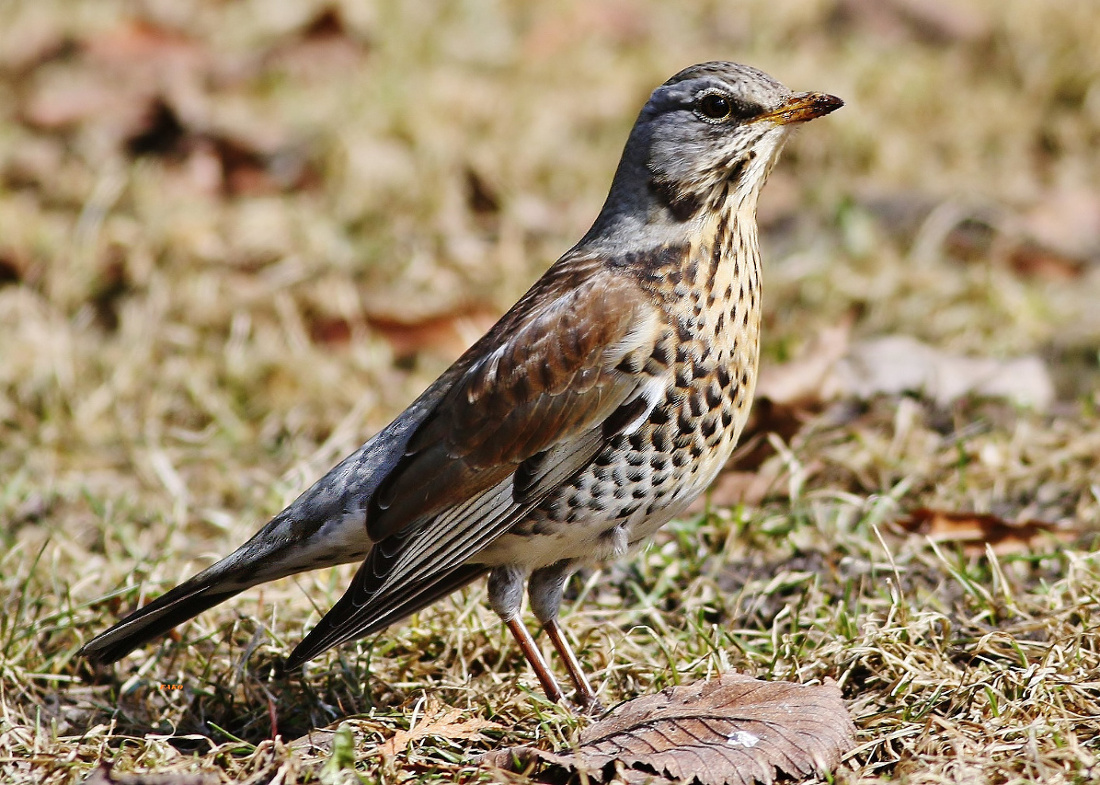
(550, 380)
(535, 408)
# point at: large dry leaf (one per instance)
(734, 730)
(895, 364)
(975, 531)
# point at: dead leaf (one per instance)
(12, 267)
(443, 725)
(1065, 222)
(897, 364)
(801, 379)
(734, 487)
(445, 335)
(733, 730)
(974, 531)
(326, 45)
(217, 163)
(140, 43)
(787, 396)
(928, 21)
(112, 77)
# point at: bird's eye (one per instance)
(715, 106)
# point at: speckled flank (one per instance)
(704, 359)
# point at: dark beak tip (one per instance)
(831, 102)
(822, 104)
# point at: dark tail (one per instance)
(323, 527)
(158, 617)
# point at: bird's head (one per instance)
(706, 140)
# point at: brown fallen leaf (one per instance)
(734, 730)
(325, 46)
(974, 531)
(444, 334)
(442, 724)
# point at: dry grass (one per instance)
(177, 363)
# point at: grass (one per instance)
(181, 352)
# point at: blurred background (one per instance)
(250, 232)
(236, 238)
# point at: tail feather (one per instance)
(323, 527)
(333, 629)
(153, 620)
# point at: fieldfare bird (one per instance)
(596, 409)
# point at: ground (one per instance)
(237, 238)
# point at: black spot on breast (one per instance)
(662, 352)
(713, 394)
(631, 364)
(624, 416)
(727, 418)
(695, 403)
(722, 374)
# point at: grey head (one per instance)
(706, 140)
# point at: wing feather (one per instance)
(531, 413)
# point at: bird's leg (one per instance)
(545, 591)
(506, 598)
(534, 656)
(586, 696)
